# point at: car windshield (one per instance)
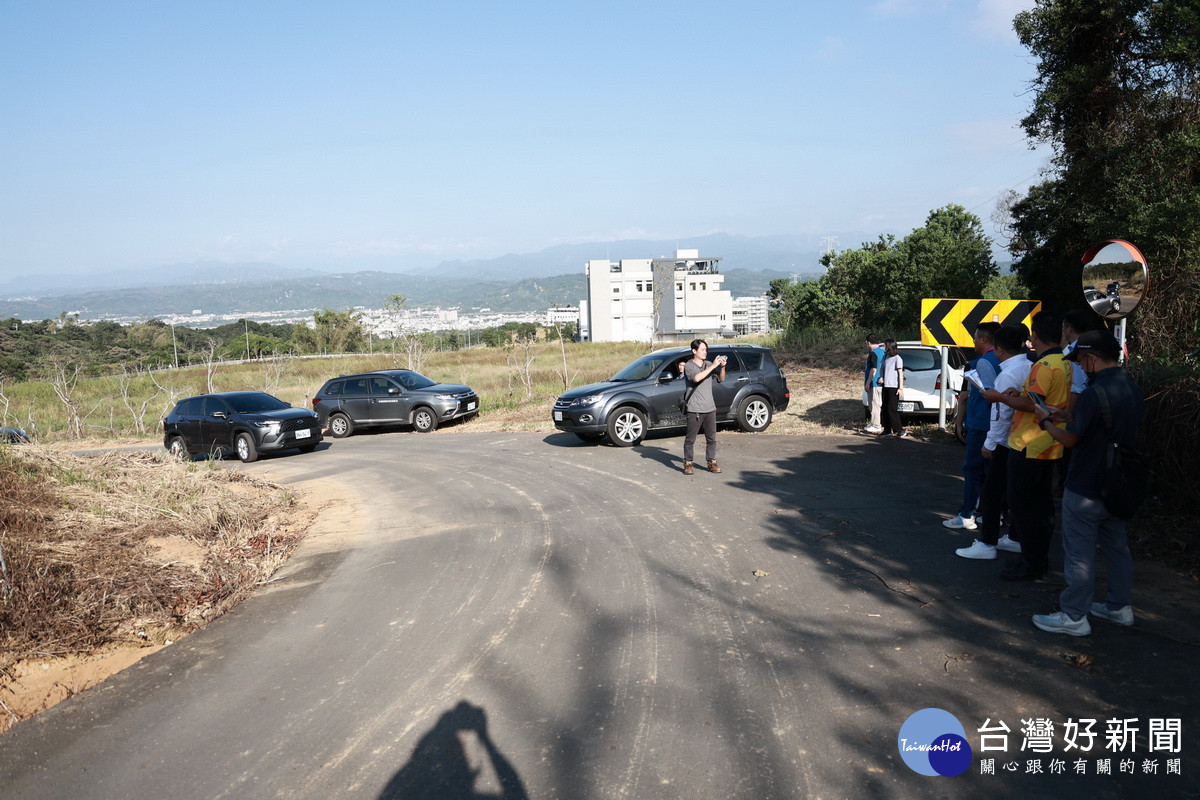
(414, 380)
(255, 403)
(639, 370)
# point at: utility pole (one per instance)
(247, 338)
(175, 345)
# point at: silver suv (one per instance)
(646, 395)
(391, 397)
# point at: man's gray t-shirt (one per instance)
(701, 401)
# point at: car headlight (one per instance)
(444, 396)
(589, 400)
(267, 425)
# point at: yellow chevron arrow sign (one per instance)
(952, 322)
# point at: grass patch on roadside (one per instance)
(130, 548)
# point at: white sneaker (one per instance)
(977, 550)
(1121, 616)
(960, 523)
(1060, 622)
(1008, 545)
(873, 429)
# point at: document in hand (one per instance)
(974, 378)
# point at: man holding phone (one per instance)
(701, 407)
(1033, 452)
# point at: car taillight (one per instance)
(316, 400)
(937, 385)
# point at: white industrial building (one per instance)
(562, 315)
(657, 299)
(750, 315)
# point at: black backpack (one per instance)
(1125, 481)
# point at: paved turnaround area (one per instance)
(524, 615)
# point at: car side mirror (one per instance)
(393, 390)
(666, 377)
(220, 415)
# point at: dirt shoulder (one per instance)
(107, 559)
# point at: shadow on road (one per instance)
(443, 764)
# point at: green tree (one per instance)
(881, 284)
(332, 332)
(1117, 95)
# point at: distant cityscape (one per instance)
(680, 297)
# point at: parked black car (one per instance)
(247, 423)
(391, 397)
(646, 395)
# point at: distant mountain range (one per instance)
(510, 283)
(365, 289)
(198, 272)
(783, 254)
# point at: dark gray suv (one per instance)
(246, 423)
(391, 397)
(646, 395)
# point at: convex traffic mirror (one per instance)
(1115, 278)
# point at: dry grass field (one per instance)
(517, 386)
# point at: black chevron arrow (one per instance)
(933, 321)
(981, 310)
(1023, 309)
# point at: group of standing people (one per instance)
(883, 381)
(1048, 390)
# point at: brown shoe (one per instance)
(712, 467)
(689, 468)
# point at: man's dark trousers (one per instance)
(992, 498)
(1031, 506)
(974, 470)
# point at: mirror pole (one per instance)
(1120, 336)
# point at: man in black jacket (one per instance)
(1085, 520)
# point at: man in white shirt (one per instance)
(1014, 369)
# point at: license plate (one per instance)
(471, 406)
(558, 416)
(910, 407)
(303, 433)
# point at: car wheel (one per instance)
(626, 426)
(246, 449)
(424, 420)
(340, 426)
(591, 438)
(308, 448)
(754, 414)
(177, 449)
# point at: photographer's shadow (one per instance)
(449, 759)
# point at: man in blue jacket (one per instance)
(976, 421)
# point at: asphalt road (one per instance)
(522, 615)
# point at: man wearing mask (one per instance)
(1086, 521)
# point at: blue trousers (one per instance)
(974, 470)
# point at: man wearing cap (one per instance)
(1086, 522)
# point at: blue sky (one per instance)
(393, 135)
